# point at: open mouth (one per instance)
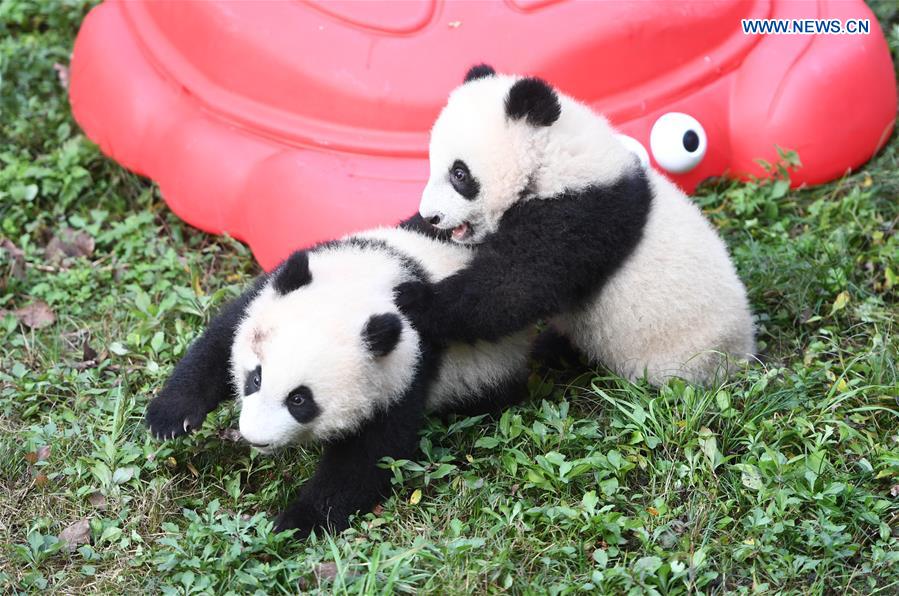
(462, 231)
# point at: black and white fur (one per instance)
(569, 226)
(318, 351)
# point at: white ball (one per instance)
(635, 147)
(678, 142)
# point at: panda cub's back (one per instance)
(439, 259)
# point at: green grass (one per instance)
(779, 480)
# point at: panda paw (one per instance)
(297, 519)
(169, 417)
(414, 298)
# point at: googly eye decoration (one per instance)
(635, 147)
(678, 142)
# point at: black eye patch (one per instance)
(253, 381)
(463, 181)
(301, 405)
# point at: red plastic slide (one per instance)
(284, 123)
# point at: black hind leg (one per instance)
(554, 351)
(493, 401)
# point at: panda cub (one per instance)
(570, 228)
(318, 351)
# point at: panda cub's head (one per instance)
(320, 350)
(503, 138)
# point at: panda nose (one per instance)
(435, 219)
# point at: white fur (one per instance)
(676, 306)
(313, 336)
(673, 306)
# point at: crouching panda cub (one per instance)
(570, 227)
(318, 351)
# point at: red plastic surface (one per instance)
(284, 123)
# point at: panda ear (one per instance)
(479, 71)
(382, 332)
(293, 273)
(534, 99)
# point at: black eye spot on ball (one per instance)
(253, 381)
(301, 404)
(382, 332)
(293, 273)
(534, 99)
(479, 71)
(691, 141)
(463, 181)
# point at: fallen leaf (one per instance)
(415, 499)
(16, 257)
(69, 243)
(62, 73)
(230, 434)
(43, 452)
(40, 454)
(840, 302)
(325, 571)
(652, 511)
(36, 315)
(97, 500)
(193, 469)
(88, 354)
(75, 534)
(378, 510)
(123, 475)
(322, 572)
(894, 491)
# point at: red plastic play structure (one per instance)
(286, 123)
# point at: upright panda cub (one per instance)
(319, 352)
(570, 227)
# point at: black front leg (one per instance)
(547, 255)
(495, 296)
(348, 478)
(202, 379)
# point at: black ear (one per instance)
(382, 332)
(534, 99)
(293, 273)
(479, 71)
